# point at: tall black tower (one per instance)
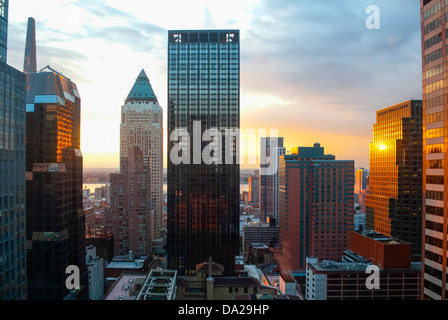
(203, 197)
(55, 228)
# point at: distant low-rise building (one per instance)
(158, 245)
(376, 267)
(121, 264)
(95, 266)
(359, 222)
(261, 254)
(126, 287)
(103, 241)
(258, 233)
(209, 283)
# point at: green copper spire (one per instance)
(142, 89)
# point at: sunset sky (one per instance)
(310, 69)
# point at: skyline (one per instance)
(327, 79)
(181, 207)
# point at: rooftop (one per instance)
(159, 285)
(352, 266)
(253, 271)
(316, 151)
(382, 238)
(340, 266)
(204, 267)
(137, 264)
(235, 281)
(126, 287)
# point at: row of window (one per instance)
(437, 85)
(211, 66)
(435, 148)
(433, 56)
(432, 10)
(434, 195)
(437, 243)
(435, 133)
(194, 57)
(434, 102)
(435, 164)
(433, 41)
(203, 88)
(435, 211)
(212, 73)
(204, 37)
(434, 71)
(213, 76)
(203, 50)
(432, 25)
(434, 117)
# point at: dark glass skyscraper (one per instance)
(203, 199)
(4, 5)
(55, 227)
(12, 174)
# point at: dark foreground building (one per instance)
(55, 228)
(12, 173)
(203, 199)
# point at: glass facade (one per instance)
(394, 205)
(4, 6)
(13, 277)
(203, 199)
(55, 228)
(434, 14)
(12, 184)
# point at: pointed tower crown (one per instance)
(142, 90)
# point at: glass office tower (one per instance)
(12, 173)
(434, 15)
(55, 220)
(55, 215)
(12, 184)
(394, 205)
(4, 4)
(203, 199)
